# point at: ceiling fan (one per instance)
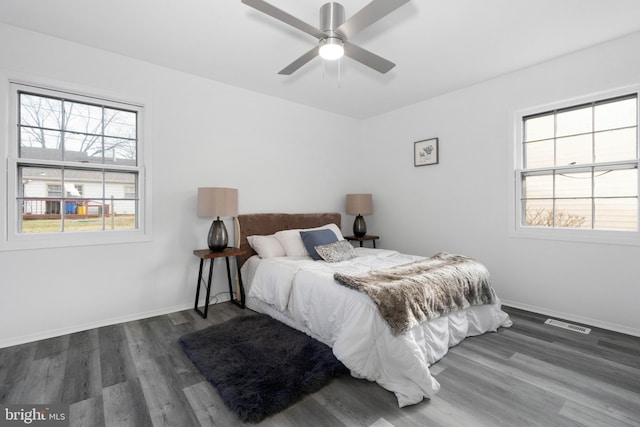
(334, 32)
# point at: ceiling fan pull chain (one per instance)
(339, 72)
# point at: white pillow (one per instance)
(292, 242)
(266, 246)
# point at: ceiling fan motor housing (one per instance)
(331, 17)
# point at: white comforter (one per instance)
(303, 294)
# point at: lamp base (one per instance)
(359, 226)
(218, 237)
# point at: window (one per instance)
(130, 191)
(579, 166)
(76, 162)
(54, 190)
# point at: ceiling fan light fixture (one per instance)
(331, 48)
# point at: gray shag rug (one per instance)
(260, 366)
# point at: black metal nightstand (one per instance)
(204, 254)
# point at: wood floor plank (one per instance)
(606, 396)
(87, 413)
(574, 359)
(601, 343)
(142, 343)
(15, 362)
(308, 413)
(438, 412)
(83, 376)
(556, 380)
(179, 318)
(381, 422)
(335, 399)
(116, 362)
(503, 397)
(52, 346)
(168, 406)
(208, 407)
(458, 395)
(125, 406)
(42, 383)
(343, 398)
(135, 374)
(187, 373)
(622, 352)
(588, 415)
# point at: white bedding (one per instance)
(302, 293)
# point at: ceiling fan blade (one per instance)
(367, 58)
(366, 16)
(283, 16)
(295, 65)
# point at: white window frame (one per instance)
(11, 238)
(516, 227)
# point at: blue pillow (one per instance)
(314, 238)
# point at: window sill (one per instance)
(58, 240)
(581, 236)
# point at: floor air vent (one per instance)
(569, 326)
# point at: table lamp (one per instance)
(359, 204)
(217, 202)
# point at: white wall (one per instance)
(202, 134)
(209, 134)
(462, 204)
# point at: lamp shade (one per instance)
(217, 201)
(359, 204)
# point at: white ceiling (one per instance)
(438, 45)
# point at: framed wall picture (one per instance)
(425, 152)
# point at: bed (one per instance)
(304, 294)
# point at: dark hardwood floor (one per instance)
(135, 374)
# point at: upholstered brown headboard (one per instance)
(264, 224)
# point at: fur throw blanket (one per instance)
(409, 294)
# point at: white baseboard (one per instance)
(91, 325)
(137, 316)
(574, 318)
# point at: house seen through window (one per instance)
(580, 166)
(76, 164)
